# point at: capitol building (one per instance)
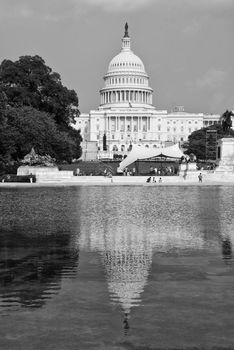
(126, 114)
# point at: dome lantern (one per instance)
(126, 41)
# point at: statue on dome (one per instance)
(126, 31)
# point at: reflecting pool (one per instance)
(117, 267)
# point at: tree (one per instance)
(36, 110)
(26, 127)
(197, 140)
(29, 82)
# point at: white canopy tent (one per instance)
(141, 152)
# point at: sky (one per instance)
(186, 45)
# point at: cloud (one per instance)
(212, 79)
(53, 10)
(192, 28)
(119, 5)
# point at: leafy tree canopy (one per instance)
(197, 140)
(25, 127)
(29, 82)
(36, 110)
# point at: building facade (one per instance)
(126, 114)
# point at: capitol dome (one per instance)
(126, 60)
(126, 82)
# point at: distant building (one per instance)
(126, 114)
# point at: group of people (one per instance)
(152, 179)
(167, 170)
(128, 172)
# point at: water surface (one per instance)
(117, 267)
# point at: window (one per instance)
(168, 129)
(159, 127)
(122, 148)
(113, 137)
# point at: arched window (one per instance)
(122, 148)
(115, 148)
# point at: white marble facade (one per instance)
(126, 113)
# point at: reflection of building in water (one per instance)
(127, 237)
(127, 258)
(32, 274)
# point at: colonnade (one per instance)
(127, 123)
(126, 96)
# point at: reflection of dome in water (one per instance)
(127, 257)
(126, 240)
(127, 272)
